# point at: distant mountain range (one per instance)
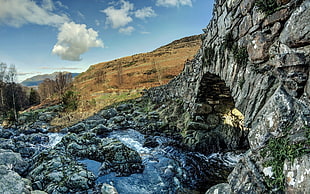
(36, 80)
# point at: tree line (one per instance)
(60, 89)
(54, 88)
(14, 97)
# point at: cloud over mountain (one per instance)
(74, 40)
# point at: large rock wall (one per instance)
(263, 57)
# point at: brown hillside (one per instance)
(109, 82)
(138, 71)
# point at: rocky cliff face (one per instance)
(254, 58)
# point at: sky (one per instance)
(44, 36)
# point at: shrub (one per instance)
(279, 149)
(241, 55)
(70, 100)
(34, 97)
(267, 6)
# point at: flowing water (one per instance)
(167, 169)
(54, 138)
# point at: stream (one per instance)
(167, 169)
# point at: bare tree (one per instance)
(13, 97)
(3, 67)
(119, 74)
(47, 89)
(16, 100)
(62, 82)
(10, 77)
(11, 74)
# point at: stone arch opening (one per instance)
(216, 124)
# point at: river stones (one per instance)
(58, 173)
(108, 189)
(11, 182)
(116, 157)
(109, 113)
(26, 145)
(13, 161)
(57, 169)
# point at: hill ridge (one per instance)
(138, 71)
(37, 79)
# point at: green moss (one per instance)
(240, 53)
(267, 6)
(278, 150)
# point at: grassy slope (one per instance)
(139, 71)
(122, 79)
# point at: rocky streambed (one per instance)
(106, 153)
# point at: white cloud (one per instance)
(128, 30)
(174, 3)
(59, 4)
(19, 12)
(121, 13)
(119, 17)
(74, 40)
(145, 12)
(48, 5)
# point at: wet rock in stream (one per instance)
(57, 170)
(168, 168)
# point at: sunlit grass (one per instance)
(88, 108)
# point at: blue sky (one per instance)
(44, 36)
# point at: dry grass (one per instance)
(89, 108)
(125, 78)
(138, 71)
